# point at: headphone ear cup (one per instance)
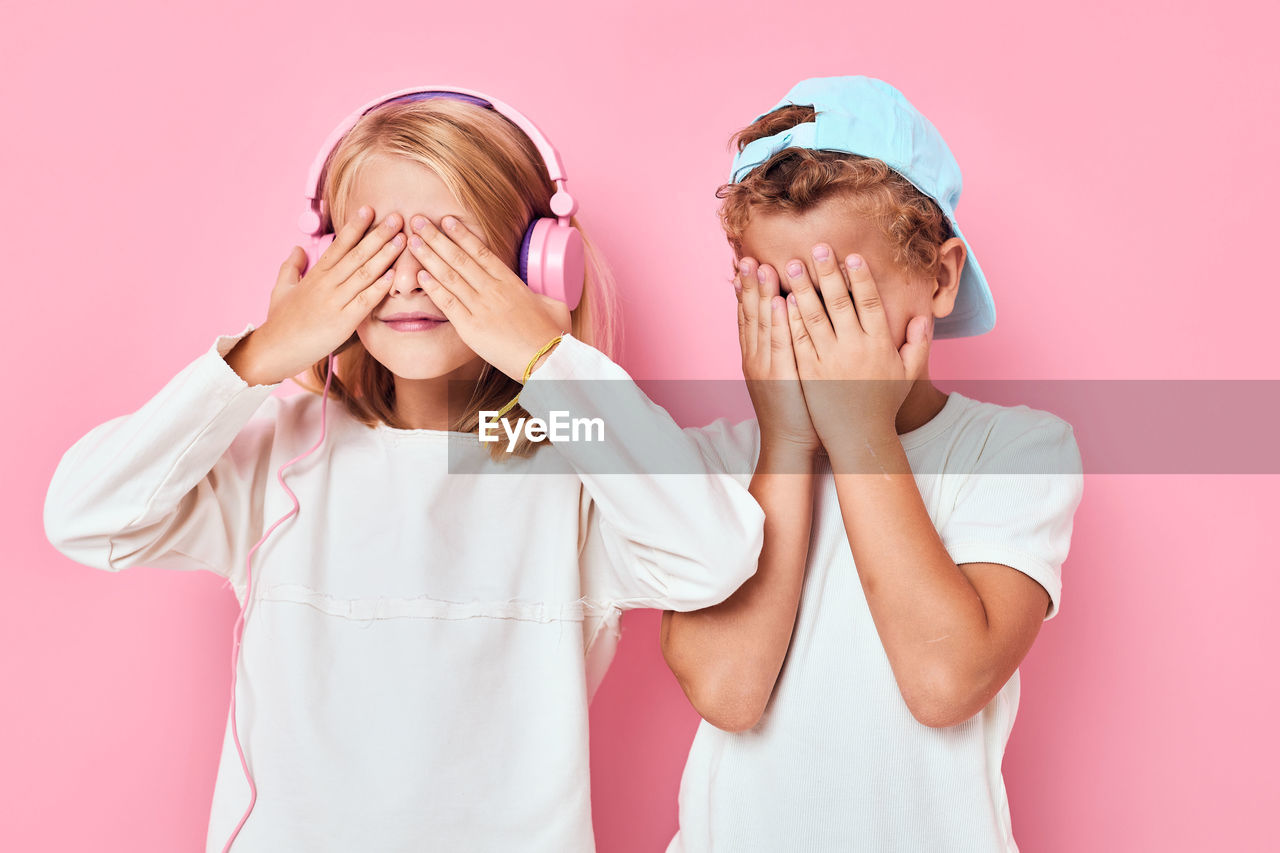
(553, 260)
(315, 246)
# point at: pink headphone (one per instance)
(552, 261)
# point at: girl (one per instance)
(858, 691)
(422, 637)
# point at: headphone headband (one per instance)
(563, 205)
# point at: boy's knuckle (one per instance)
(841, 301)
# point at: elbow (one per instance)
(722, 697)
(66, 531)
(728, 708)
(943, 698)
(58, 528)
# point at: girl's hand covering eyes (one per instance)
(768, 362)
(313, 314)
(494, 312)
(849, 340)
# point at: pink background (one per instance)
(1121, 182)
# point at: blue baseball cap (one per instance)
(868, 117)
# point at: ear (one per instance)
(951, 258)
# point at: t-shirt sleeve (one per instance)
(177, 484)
(1017, 506)
(662, 524)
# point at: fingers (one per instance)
(367, 299)
(750, 303)
(767, 277)
(781, 357)
(801, 341)
(369, 273)
(454, 309)
(291, 268)
(346, 265)
(347, 237)
(866, 297)
(915, 351)
(443, 260)
(817, 327)
(742, 333)
(476, 250)
(835, 292)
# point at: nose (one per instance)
(404, 274)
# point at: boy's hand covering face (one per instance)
(848, 338)
(768, 362)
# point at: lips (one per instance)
(421, 324)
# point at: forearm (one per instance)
(931, 621)
(727, 657)
(253, 365)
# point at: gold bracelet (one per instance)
(528, 370)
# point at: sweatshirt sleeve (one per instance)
(665, 526)
(177, 484)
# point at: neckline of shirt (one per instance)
(420, 434)
(936, 425)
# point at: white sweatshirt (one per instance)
(421, 644)
(838, 764)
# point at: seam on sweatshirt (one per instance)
(424, 607)
(610, 620)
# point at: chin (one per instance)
(426, 355)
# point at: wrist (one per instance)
(245, 359)
(786, 455)
(537, 362)
(539, 354)
(859, 450)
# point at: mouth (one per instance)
(416, 321)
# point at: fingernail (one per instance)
(423, 278)
(397, 240)
(450, 223)
(743, 266)
(821, 253)
(737, 285)
(791, 298)
(854, 262)
(794, 269)
(416, 242)
(419, 222)
(760, 274)
(364, 210)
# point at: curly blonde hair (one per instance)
(795, 180)
(495, 171)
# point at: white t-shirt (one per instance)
(421, 643)
(838, 764)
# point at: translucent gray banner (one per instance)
(1120, 426)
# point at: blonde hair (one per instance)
(496, 172)
(794, 180)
